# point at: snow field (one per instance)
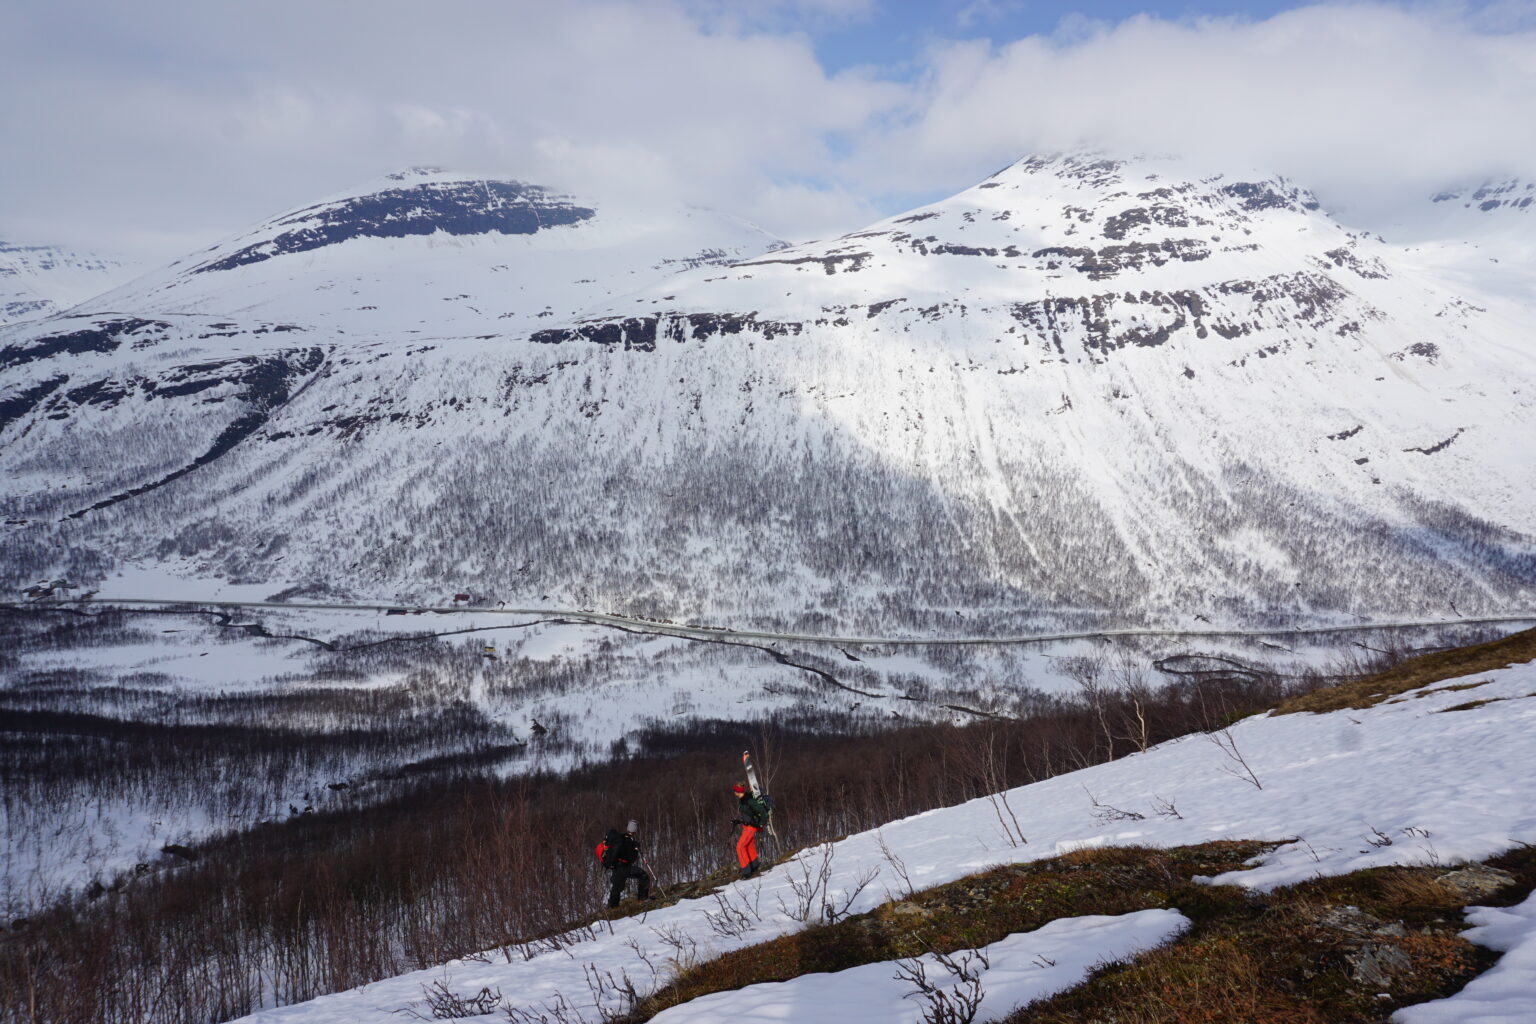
(1022, 968)
(1443, 786)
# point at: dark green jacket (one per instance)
(754, 810)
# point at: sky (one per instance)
(155, 128)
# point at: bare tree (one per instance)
(898, 866)
(1239, 768)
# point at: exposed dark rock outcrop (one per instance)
(103, 336)
(453, 207)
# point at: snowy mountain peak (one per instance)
(415, 172)
(1048, 227)
(421, 202)
(1149, 179)
(1511, 195)
(425, 249)
(1083, 386)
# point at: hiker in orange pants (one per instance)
(754, 815)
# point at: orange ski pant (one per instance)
(746, 846)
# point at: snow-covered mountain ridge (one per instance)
(424, 203)
(1509, 194)
(40, 280)
(426, 251)
(1083, 388)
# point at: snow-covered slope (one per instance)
(429, 252)
(1444, 782)
(39, 280)
(1481, 239)
(1084, 388)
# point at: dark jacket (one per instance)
(618, 849)
(754, 810)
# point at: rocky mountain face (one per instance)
(1509, 194)
(39, 280)
(1084, 390)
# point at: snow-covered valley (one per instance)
(1085, 394)
(184, 737)
(373, 698)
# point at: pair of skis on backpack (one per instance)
(757, 792)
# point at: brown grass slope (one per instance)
(1350, 949)
(1312, 953)
(1345, 950)
(1416, 672)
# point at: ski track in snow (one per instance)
(1460, 780)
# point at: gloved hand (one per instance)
(738, 821)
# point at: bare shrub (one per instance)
(443, 1003)
(955, 1003)
(1107, 813)
(898, 866)
(557, 1011)
(734, 915)
(810, 878)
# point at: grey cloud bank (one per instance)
(159, 127)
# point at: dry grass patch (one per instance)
(978, 911)
(664, 895)
(1453, 688)
(1472, 704)
(1418, 672)
(1346, 950)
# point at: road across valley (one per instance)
(722, 632)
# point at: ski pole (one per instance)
(655, 879)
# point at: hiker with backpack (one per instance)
(752, 811)
(620, 856)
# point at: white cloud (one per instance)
(1368, 103)
(979, 12)
(203, 117)
(171, 123)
